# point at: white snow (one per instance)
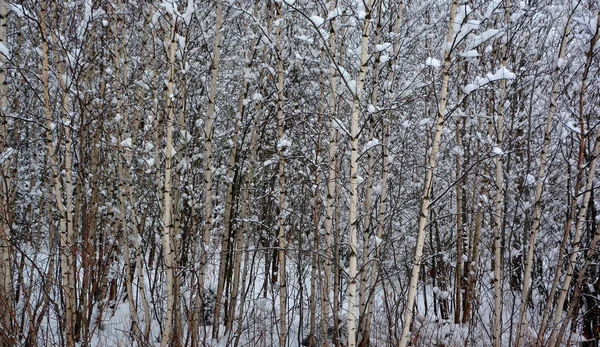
(493, 6)
(469, 88)
(501, 74)
(189, 11)
(187, 137)
(384, 58)
(173, 152)
(340, 126)
(425, 121)
(530, 180)
(382, 47)
(304, 38)
(7, 154)
(377, 189)
(283, 143)
(335, 13)
(316, 20)
(150, 162)
(589, 22)
(168, 6)
(370, 144)
(127, 143)
(573, 127)
(483, 37)
(180, 41)
(17, 9)
(469, 54)
(433, 62)
(4, 50)
(352, 86)
(497, 151)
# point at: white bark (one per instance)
(331, 178)
(167, 242)
(364, 55)
(576, 244)
(5, 233)
(499, 199)
(282, 188)
(425, 200)
(537, 203)
(208, 154)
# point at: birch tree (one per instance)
(537, 214)
(5, 154)
(208, 154)
(354, 120)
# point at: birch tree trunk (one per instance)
(427, 189)
(592, 249)
(5, 232)
(374, 269)
(245, 214)
(282, 146)
(367, 228)
(574, 304)
(364, 55)
(499, 198)
(126, 147)
(537, 202)
(576, 244)
(233, 162)
(208, 154)
(167, 242)
(570, 219)
(315, 257)
(331, 178)
(229, 199)
(57, 183)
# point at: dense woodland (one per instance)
(299, 172)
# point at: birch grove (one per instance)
(299, 173)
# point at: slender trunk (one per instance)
(578, 291)
(237, 244)
(316, 217)
(246, 223)
(537, 213)
(427, 189)
(364, 50)
(64, 223)
(167, 242)
(499, 199)
(124, 176)
(551, 112)
(208, 162)
(282, 147)
(576, 244)
(5, 185)
(364, 291)
(229, 199)
(331, 181)
(374, 269)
